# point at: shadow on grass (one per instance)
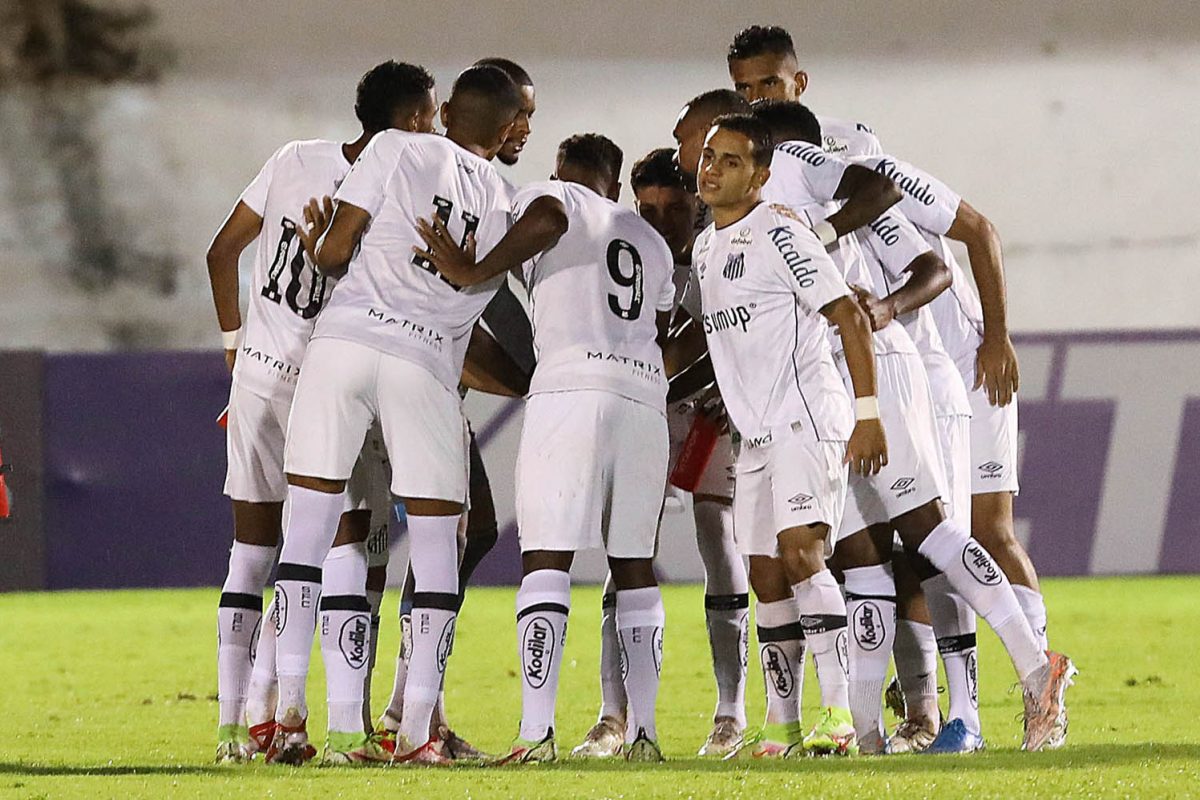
(1073, 757)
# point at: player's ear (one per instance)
(801, 83)
(614, 191)
(761, 176)
(445, 115)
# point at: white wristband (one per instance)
(229, 339)
(825, 232)
(866, 408)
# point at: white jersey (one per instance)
(595, 295)
(763, 281)
(932, 207)
(392, 299)
(805, 178)
(286, 291)
(848, 138)
(890, 245)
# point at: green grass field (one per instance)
(112, 694)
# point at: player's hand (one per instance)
(866, 452)
(230, 359)
(880, 312)
(455, 263)
(996, 370)
(317, 215)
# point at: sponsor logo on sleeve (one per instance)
(887, 229)
(909, 184)
(808, 153)
(781, 237)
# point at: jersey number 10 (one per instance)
(316, 289)
(631, 281)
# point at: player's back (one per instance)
(286, 292)
(391, 298)
(595, 297)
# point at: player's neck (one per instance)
(351, 150)
(728, 215)
(463, 141)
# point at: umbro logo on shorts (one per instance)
(902, 483)
(992, 468)
(801, 502)
(735, 266)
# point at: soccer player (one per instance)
(908, 494)
(593, 458)
(769, 293)
(286, 296)
(668, 203)
(390, 346)
(508, 322)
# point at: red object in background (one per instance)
(696, 452)
(223, 419)
(5, 508)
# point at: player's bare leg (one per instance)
(239, 620)
(992, 526)
(864, 559)
(727, 613)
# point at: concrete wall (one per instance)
(1071, 125)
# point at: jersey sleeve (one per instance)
(895, 243)
(525, 196)
(802, 264)
(803, 173)
(927, 202)
(364, 185)
(255, 195)
(664, 267)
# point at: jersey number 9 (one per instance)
(630, 278)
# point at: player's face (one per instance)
(728, 174)
(768, 77)
(689, 139)
(671, 212)
(510, 153)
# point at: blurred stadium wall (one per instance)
(1072, 125)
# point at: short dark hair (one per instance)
(789, 121)
(488, 97)
(511, 68)
(753, 129)
(592, 151)
(387, 87)
(758, 40)
(718, 102)
(658, 168)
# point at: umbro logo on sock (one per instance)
(801, 502)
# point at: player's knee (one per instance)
(534, 560)
(768, 579)
(632, 573)
(353, 527)
(913, 526)
(376, 579)
(858, 550)
(324, 485)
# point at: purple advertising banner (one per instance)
(133, 463)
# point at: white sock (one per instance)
(954, 623)
(374, 600)
(871, 609)
(395, 710)
(239, 617)
(262, 695)
(915, 652)
(1034, 608)
(823, 617)
(781, 654)
(311, 526)
(979, 581)
(543, 603)
(613, 701)
(640, 620)
(434, 556)
(726, 606)
(345, 634)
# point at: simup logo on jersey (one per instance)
(726, 318)
(735, 266)
(980, 564)
(353, 640)
(910, 185)
(777, 673)
(537, 649)
(782, 237)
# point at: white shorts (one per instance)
(791, 481)
(914, 474)
(993, 445)
(591, 470)
(254, 444)
(954, 435)
(344, 386)
(718, 477)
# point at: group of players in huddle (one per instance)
(781, 273)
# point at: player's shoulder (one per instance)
(804, 152)
(314, 151)
(787, 228)
(847, 137)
